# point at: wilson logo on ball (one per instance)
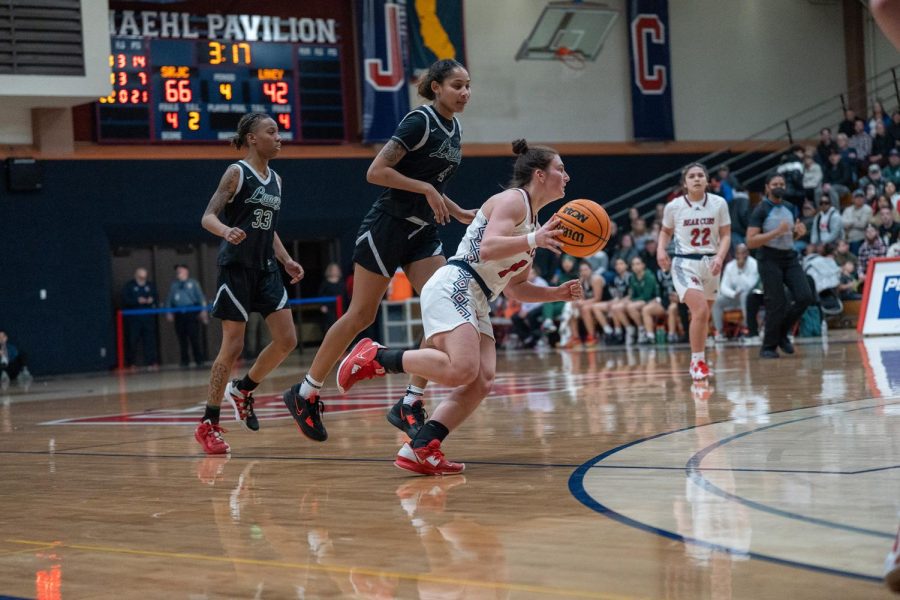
(585, 227)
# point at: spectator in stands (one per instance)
(827, 227)
(879, 203)
(893, 250)
(740, 216)
(892, 171)
(878, 116)
(812, 178)
(658, 211)
(642, 288)
(618, 287)
(860, 140)
(825, 146)
(848, 288)
(888, 229)
(791, 169)
(872, 247)
(648, 255)
(807, 216)
(626, 250)
(738, 279)
(13, 364)
(639, 233)
(846, 126)
(729, 183)
(579, 312)
(186, 292)
(837, 178)
(855, 219)
(842, 254)
(843, 144)
(894, 127)
(140, 292)
(332, 286)
(882, 143)
(820, 265)
(890, 192)
(551, 311)
(874, 178)
(527, 322)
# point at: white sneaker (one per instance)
(699, 370)
(548, 326)
(752, 340)
(720, 339)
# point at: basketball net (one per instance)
(573, 59)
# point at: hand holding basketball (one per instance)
(546, 236)
(585, 227)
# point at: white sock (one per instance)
(698, 356)
(309, 386)
(413, 395)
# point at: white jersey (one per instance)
(496, 273)
(696, 224)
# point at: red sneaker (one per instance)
(360, 364)
(699, 370)
(210, 437)
(892, 566)
(428, 460)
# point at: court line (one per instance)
(694, 472)
(577, 489)
(513, 587)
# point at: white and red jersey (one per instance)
(496, 273)
(696, 224)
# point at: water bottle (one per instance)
(660, 335)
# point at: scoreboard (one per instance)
(166, 90)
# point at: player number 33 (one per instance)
(263, 219)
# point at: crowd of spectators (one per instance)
(844, 189)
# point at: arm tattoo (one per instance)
(392, 153)
(225, 191)
(218, 378)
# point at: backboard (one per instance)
(566, 28)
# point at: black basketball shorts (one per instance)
(385, 242)
(241, 291)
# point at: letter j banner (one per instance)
(651, 71)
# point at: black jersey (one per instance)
(254, 209)
(433, 154)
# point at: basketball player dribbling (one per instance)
(400, 231)
(494, 256)
(700, 225)
(249, 280)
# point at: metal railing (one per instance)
(752, 163)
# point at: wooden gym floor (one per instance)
(590, 474)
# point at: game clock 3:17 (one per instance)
(200, 89)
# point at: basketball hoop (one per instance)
(573, 59)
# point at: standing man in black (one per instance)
(772, 229)
(140, 292)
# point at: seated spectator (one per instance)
(551, 311)
(639, 233)
(855, 218)
(860, 140)
(649, 255)
(893, 127)
(874, 178)
(842, 254)
(871, 247)
(616, 290)
(807, 215)
(526, 323)
(823, 270)
(825, 146)
(878, 117)
(812, 177)
(729, 183)
(882, 143)
(791, 169)
(826, 227)
(738, 279)
(887, 227)
(890, 192)
(892, 171)
(846, 127)
(626, 250)
(836, 178)
(642, 288)
(13, 364)
(579, 313)
(848, 288)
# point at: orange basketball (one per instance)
(585, 226)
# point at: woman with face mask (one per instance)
(773, 228)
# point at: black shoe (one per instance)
(408, 418)
(786, 345)
(768, 353)
(307, 413)
(243, 405)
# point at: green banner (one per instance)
(435, 32)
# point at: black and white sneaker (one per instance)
(243, 405)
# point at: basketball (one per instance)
(585, 226)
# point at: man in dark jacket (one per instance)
(140, 292)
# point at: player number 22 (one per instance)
(263, 219)
(700, 237)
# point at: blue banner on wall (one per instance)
(651, 82)
(436, 32)
(384, 67)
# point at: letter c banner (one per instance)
(651, 90)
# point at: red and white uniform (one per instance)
(453, 296)
(695, 237)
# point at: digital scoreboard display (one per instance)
(197, 90)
